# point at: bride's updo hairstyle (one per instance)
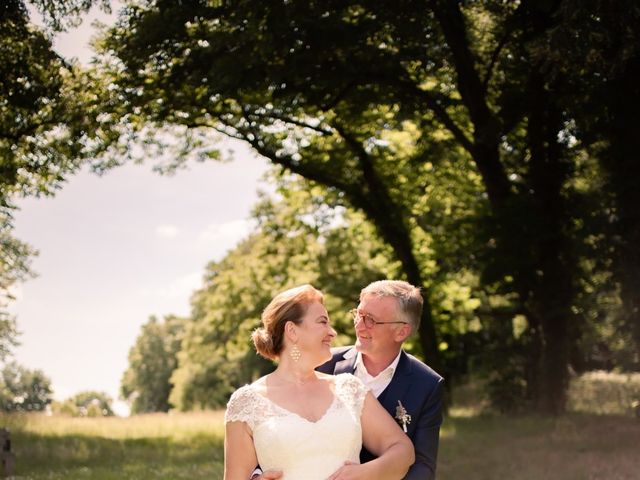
(288, 306)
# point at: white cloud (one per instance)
(229, 232)
(179, 288)
(235, 229)
(167, 231)
(184, 286)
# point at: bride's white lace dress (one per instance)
(303, 450)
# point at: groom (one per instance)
(388, 313)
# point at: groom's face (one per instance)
(382, 339)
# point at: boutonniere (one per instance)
(402, 416)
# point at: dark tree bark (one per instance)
(622, 163)
(544, 284)
(552, 293)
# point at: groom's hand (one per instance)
(268, 475)
(348, 471)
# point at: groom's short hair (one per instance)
(408, 298)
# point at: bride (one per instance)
(306, 424)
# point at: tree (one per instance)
(601, 70)
(303, 235)
(85, 404)
(43, 124)
(299, 238)
(146, 383)
(24, 390)
(319, 83)
(93, 404)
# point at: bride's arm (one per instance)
(239, 453)
(382, 436)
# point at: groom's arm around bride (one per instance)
(388, 313)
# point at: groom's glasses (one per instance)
(368, 320)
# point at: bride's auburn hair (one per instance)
(288, 306)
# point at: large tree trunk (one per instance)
(622, 163)
(552, 291)
(544, 282)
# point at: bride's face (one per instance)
(316, 334)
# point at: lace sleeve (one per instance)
(241, 407)
(352, 391)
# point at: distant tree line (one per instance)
(29, 390)
(23, 389)
(484, 150)
(85, 404)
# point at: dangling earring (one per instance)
(295, 352)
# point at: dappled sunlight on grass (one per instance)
(530, 447)
(476, 443)
(597, 440)
(605, 393)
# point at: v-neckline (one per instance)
(286, 410)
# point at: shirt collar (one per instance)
(360, 364)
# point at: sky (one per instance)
(118, 248)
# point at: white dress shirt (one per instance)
(378, 383)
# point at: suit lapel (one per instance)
(346, 365)
(399, 385)
(395, 390)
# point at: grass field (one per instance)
(156, 446)
(473, 446)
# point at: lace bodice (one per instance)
(302, 449)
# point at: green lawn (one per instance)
(599, 441)
(572, 447)
(189, 446)
(158, 446)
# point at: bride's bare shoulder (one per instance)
(260, 385)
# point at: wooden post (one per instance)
(8, 459)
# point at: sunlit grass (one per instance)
(474, 444)
(156, 446)
(177, 426)
(571, 447)
(606, 393)
(597, 440)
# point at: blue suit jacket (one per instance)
(419, 388)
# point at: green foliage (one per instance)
(460, 147)
(370, 115)
(42, 122)
(8, 335)
(62, 15)
(46, 119)
(300, 238)
(23, 390)
(146, 383)
(85, 404)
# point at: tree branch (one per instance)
(289, 120)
